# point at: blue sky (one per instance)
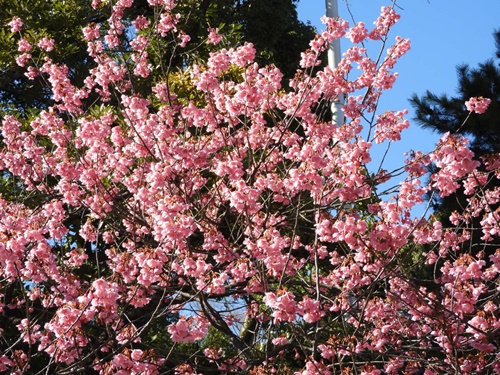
(443, 34)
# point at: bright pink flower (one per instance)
(212, 354)
(23, 45)
(96, 4)
(16, 24)
(31, 72)
(23, 59)
(213, 37)
(478, 104)
(311, 310)
(388, 17)
(91, 32)
(184, 40)
(284, 306)
(314, 368)
(140, 23)
(358, 33)
(390, 125)
(76, 258)
(167, 22)
(46, 44)
(336, 28)
(308, 60)
(188, 330)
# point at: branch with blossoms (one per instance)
(213, 219)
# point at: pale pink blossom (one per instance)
(23, 59)
(213, 37)
(91, 32)
(184, 40)
(16, 25)
(140, 22)
(188, 329)
(358, 33)
(46, 44)
(23, 45)
(478, 104)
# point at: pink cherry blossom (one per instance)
(358, 33)
(213, 37)
(477, 105)
(140, 23)
(23, 59)
(16, 24)
(91, 32)
(23, 45)
(188, 329)
(46, 44)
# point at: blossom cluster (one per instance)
(478, 105)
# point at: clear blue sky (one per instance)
(444, 34)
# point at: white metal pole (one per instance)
(332, 11)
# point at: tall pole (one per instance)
(332, 11)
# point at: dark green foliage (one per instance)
(271, 25)
(278, 35)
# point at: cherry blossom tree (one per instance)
(218, 222)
